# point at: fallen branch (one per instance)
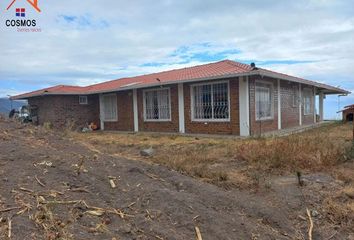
(332, 236)
(26, 190)
(81, 189)
(196, 217)
(311, 223)
(38, 181)
(113, 185)
(132, 204)
(153, 176)
(199, 235)
(62, 202)
(120, 213)
(80, 166)
(95, 212)
(9, 209)
(10, 228)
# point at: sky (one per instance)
(86, 42)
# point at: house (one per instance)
(348, 113)
(224, 97)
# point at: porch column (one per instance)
(314, 105)
(244, 109)
(181, 108)
(135, 109)
(320, 105)
(101, 112)
(279, 106)
(300, 105)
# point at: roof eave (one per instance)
(24, 97)
(325, 88)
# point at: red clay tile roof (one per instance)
(222, 69)
(347, 108)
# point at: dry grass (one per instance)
(235, 161)
(248, 163)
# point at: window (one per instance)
(264, 102)
(157, 105)
(295, 97)
(210, 102)
(110, 107)
(82, 100)
(307, 101)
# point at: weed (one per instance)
(47, 125)
(313, 150)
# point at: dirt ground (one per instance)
(56, 186)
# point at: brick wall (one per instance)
(60, 110)
(289, 110)
(163, 126)
(125, 113)
(230, 127)
(261, 126)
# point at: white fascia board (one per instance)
(330, 89)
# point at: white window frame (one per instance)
(295, 96)
(83, 100)
(116, 105)
(271, 84)
(212, 100)
(169, 101)
(307, 93)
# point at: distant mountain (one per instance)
(5, 105)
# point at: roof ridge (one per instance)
(237, 64)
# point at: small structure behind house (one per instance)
(348, 113)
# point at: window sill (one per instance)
(112, 120)
(157, 120)
(265, 119)
(211, 120)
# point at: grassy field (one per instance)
(233, 161)
(249, 164)
(256, 184)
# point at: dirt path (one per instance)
(154, 203)
(52, 187)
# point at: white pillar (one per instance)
(181, 108)
(279, 106)
(101, 112)
(244, 106)
(135, 110)
(314, 105)
(320, 105)
(300, 105)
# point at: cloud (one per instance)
(84, 42)
(82, 22)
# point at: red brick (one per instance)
(60, 110)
